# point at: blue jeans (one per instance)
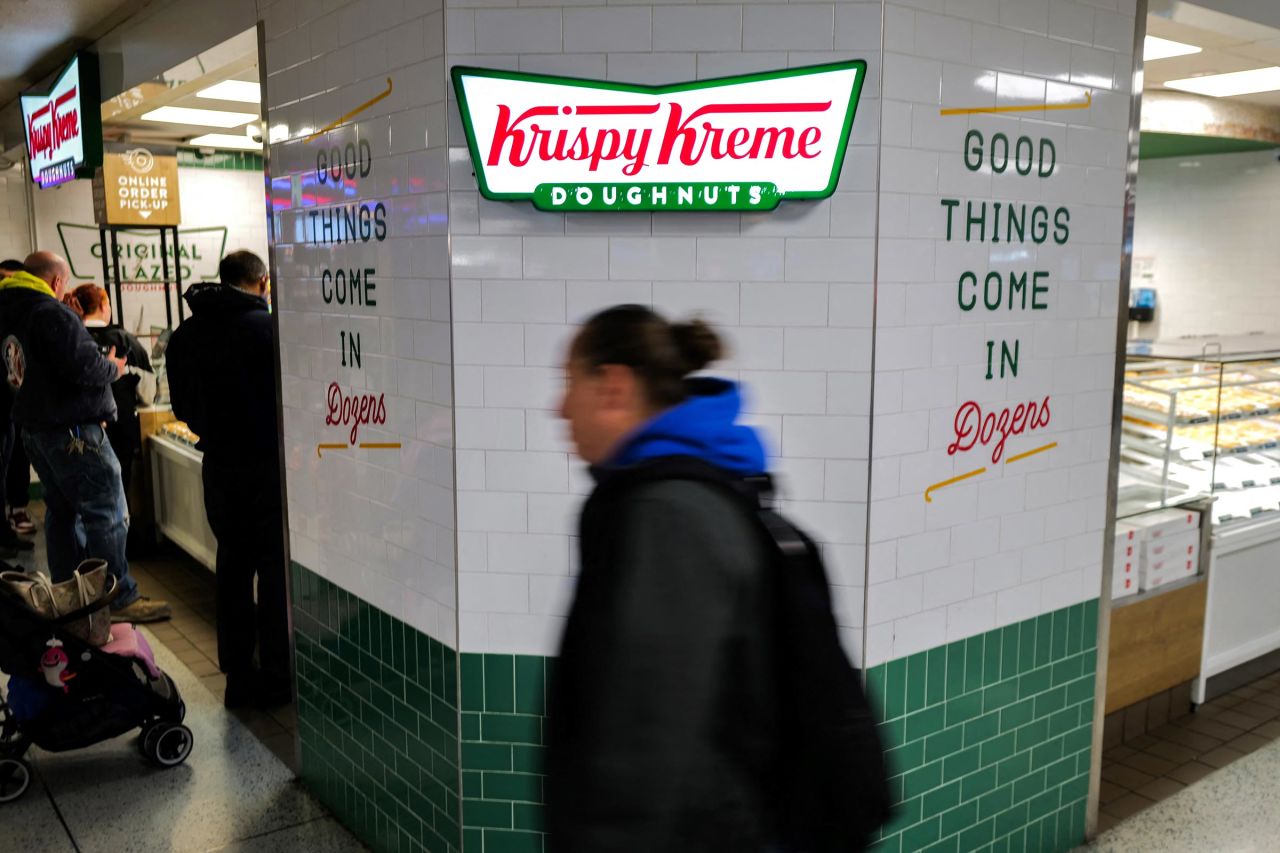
(86, 516)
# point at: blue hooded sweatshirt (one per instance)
(704, 426)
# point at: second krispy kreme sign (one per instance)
(736, 143)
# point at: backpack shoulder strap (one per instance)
(755, 492)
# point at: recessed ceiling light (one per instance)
(245, 91)
(226, 140)
(205, 118)
(1234, 83)
(1154, 47)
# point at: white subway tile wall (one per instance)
(1230, 202)
(1023, 536)
(477, 300)
(791, 289)
(381, 521)
(15, 239)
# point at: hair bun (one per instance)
(698, 344)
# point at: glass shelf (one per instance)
(1201, 419)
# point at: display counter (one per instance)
(178, 492)
(1201, 426)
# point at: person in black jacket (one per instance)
(221, 366)
(63, 402)
(10, 542)
(661, 706)
(137, 384)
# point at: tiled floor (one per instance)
(1159, 764)
(192, 636)
(239, 790)
(1234, 809)
(231, 794)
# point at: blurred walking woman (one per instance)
(660, 708)
(135, 387)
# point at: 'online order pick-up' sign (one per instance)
(735, 143)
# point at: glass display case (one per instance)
(1202, 420)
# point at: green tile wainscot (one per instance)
(377, 720)
(418, 748)
(989, 738)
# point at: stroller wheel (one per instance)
(146, 735)
(15, 778)
(167, 745)
(9, 734)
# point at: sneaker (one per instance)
(142, 610)
(21, 522)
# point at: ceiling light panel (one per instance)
(203, 118)
(226, 140)
(1154, 47)
(243, 91)
(1235, 83)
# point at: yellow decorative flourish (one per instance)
(952, 481)
(1050, 446)
(968, 111)
(364, 445)
(341, 119)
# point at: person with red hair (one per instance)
(137, 386)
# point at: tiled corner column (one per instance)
(377, 719)
(989, 738)
(503, 716)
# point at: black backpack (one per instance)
(831, 782)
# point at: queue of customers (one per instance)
(73, 386)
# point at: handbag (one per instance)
(90, 587)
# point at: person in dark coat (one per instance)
(660, 706)
(10, 441)
(137, 385)
(222, 383)
(63, 403)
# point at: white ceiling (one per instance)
(1229, 44)
(234, 59)
(38, 36)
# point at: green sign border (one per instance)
(133, 232)
(457, 72)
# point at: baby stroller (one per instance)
(66, 694)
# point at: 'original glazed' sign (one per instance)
(736, 143)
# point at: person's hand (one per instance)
(119, 362)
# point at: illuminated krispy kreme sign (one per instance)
(736, 143)
(55, 143)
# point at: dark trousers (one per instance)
(124, 441)
(17, 475)
(7, 439)
(242, 501)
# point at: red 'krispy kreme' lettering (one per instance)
(47, 138)
(974, 428)
(741, 143)
(563, 144)
(357, 410)
(550, 133)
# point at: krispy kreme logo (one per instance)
(55, 142)
(736, 143)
